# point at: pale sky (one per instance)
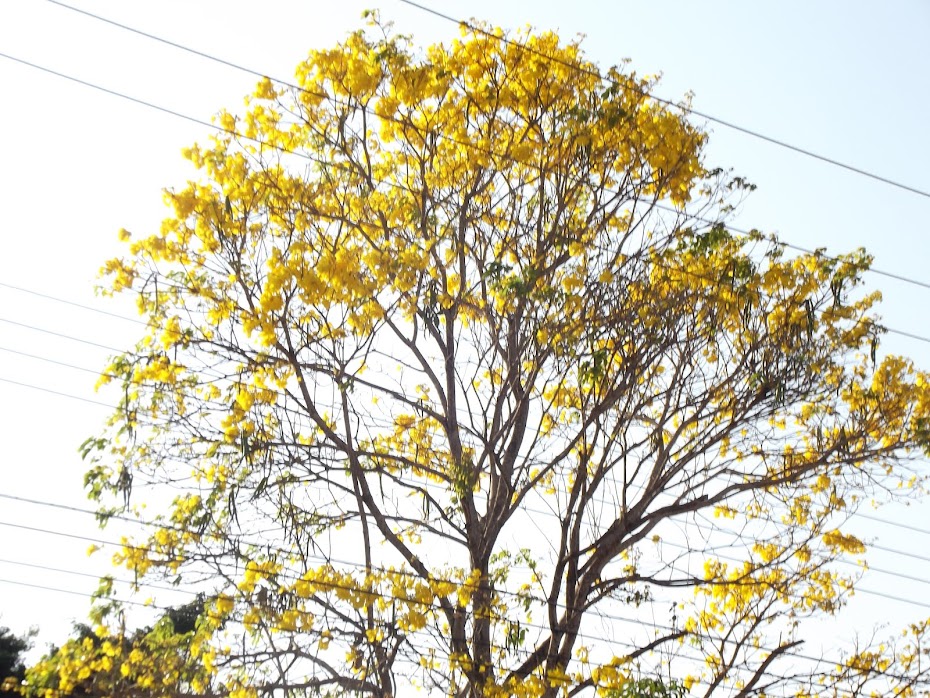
(847, 80)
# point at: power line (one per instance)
(114, 407)
(329, 584)
(58, 392)
(869, 323)
(881, 327)
(319, 161)
(391, 596)
(96, 402)
(287, 83)
(913, 556)
(277, 627)
(907, 334)
(798, 248)
(153, 325)
(183, 529)
(704, 115)
(84, 510)
(75, 573)
(73, 593)
(890, 330)
(114, 93)
(582, 635)
(149, 604)
(65, 364)
(65, 534)
(83, 306)
(863, 590)
(60, 334)
(858, 589)
(817, 661)
(878, 519)
(165, 110)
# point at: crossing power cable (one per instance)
(688, 216)
(517, 652)
(896, 331)
(874, 518)
(59, 590)
(817, 661)
(152, 325)
(182, 529)
(594, 73)
(114, 407)
(59, 393)
(75, 304)
(704, 115)
(49, 360)
(159, 607)
(863, 590)
(149, 604)
(885, 595)
(60, 335)
(585, 637)
(75, 573)
(394, 596)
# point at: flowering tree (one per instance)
(145, 663)
(458, 388)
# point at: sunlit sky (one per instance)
(847, 80)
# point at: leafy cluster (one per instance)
(161, 660)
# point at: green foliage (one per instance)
(12, 667)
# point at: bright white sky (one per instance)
(844, 79)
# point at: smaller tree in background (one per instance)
(12, 667)
(148, 663)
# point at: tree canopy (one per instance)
(460, 380)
